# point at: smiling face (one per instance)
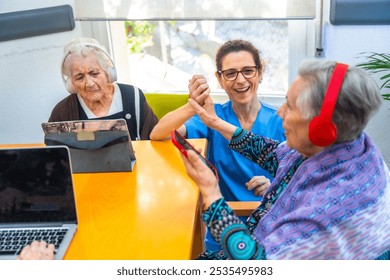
(89, 80)
(295, 126)
(242, 90)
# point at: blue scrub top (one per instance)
(234, 169)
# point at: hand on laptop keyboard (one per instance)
(37, 250)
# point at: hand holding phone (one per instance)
(183, 145)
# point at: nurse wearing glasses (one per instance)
(239, 73)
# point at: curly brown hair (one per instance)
(237, 46)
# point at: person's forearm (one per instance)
(211, 198)
(259, 149)
(172, 120)
(226, 129)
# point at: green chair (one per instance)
(163, 103)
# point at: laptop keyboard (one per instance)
(12, 241)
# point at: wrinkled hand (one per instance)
(203, 177)
(201, 101)
(259, 184)
(37, 250)
(206, 112)
(199, 89)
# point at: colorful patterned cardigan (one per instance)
(333, 205)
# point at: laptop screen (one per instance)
(36, 186)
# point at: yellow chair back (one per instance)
(163, 103)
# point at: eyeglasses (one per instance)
(232, 74)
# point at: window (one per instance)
(172, 51)
(185, 35)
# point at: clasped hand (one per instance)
(201, 101)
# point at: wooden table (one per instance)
(149, 213)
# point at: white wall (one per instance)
(346, 44)
(30, 79)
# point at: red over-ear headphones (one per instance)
(322, 130)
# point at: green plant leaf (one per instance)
(378, 63)
(139, 35)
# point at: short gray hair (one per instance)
(81, 48)
(359, 98)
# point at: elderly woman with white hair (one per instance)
(89, 75)
(330, 198)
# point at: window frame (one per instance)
(301, 43)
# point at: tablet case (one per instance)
(96, 151)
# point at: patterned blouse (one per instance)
(333, 205)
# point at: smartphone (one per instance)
(183, 145)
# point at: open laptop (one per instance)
(36, 199)
(85, 139)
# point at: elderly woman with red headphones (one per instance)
(89, 75)
(330, 198)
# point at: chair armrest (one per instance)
(243, 208)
